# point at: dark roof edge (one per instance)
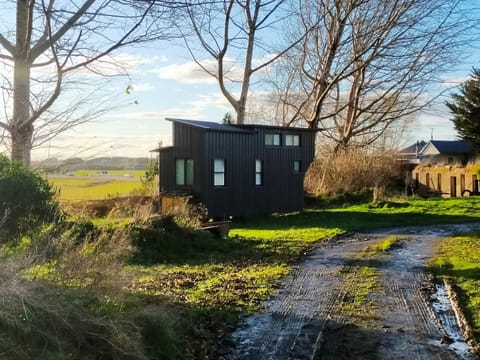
(235, 127)
(278, 127)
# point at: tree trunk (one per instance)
(241, 114)
(22, 127)
(22, 144)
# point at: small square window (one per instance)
(272, 139)
(292, 140)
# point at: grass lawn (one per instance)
(458, 259)
(314, 224)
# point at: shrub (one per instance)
(26, 200)
(352, 170)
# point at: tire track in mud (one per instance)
(306, 321)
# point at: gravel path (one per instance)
(314, 316)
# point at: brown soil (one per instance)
(314, 315)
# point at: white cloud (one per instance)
(188, 72)
(191, 72)
(451, 82)
(140, 87)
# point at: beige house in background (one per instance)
(441, 168)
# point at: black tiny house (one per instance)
(237, 170)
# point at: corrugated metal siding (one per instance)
(188, 143)
(282, 189)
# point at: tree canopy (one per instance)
(52, 48)
(465, 109)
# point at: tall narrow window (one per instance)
(219, 172)
(184, 172)
(258, 172)
(297, 166)
(272, 139)
(292, 140)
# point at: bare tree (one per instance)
(55, 46)
(229, 33)
(365, 64)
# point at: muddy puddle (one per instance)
(317, 314)
(453, 337)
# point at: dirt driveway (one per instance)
(318, 315)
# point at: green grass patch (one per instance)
(458, 258)
(360, 284)
(386, 244)
(315, 224)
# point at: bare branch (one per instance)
(7, 46)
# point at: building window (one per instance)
(184, 172)
(258, 172)
(292, 140)
(297, 166)
(272, 139)
(219, 172)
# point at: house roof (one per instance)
(413, 149)
(248, 128)
(209, 125)
(447, 147)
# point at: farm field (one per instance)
(87, 185)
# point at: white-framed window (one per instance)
(292, 140)
(218, 172)
(184, 172)
(258, 172)
(297, 166)
(272, 139)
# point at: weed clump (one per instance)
(40, 320)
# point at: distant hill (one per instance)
(99, 163)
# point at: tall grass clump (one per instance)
(352, 170)
(40, 320)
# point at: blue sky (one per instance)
(165, 82)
